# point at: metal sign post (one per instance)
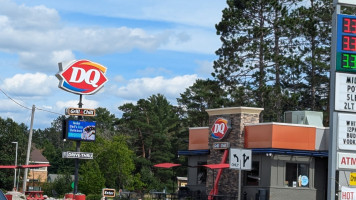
(76, 172)
(341, 100)
(240, 159)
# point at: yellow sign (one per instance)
(352, 178)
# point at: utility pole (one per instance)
(16, 143)
(28, 150)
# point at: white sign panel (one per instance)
(79, 155)
(345, 92)
(241, 159)
(348, 193)
(347, 131)
(346, 161)
(349, 2)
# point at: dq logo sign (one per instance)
(81, 77)
(220, 128)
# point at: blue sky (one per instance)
(148, 47)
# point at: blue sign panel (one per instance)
(80, 130)
(346, 43)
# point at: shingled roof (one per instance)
(36, 156)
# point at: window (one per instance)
(201, 173)
(297, 175)
(253, 177)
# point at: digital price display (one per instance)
(346, 44)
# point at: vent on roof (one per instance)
(312, 118)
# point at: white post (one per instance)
(15, 165)
(28, 150)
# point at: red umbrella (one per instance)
(166, 165)
(23, 166)
(8, 166)
(218, 166)
(34, 166)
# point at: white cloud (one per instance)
(145, 87)
(25, 18)
(11, 106)
(152, 71)
(205, 68)
(119, 78)
(37, 84)
(193, 40)
(47, 61)
(204, 13)
(47, 42)
(41, 39)
(62, 105)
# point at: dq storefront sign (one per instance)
(220, 128)
(81, 76)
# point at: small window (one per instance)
(297, 175)
(253, 177)
(201, 173)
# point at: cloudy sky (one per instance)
(148, 47)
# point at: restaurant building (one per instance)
(289, 160)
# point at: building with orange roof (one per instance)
(289, 161)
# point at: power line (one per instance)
(41, 109)
(14, 100)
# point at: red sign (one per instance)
(81, 77)
(220, 128)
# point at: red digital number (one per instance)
(349, 43)
(349, 25)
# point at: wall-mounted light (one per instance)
(269, 154)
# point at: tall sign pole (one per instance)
(343, 65)
(76, 172)
(82, 77)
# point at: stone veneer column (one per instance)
(238, 116)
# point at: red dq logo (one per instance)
(81, 77)
(220, 128)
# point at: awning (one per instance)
(166, 165)
(218, 166)
(7, 166)
(34, 166)
(23, 166)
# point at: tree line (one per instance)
(275, 54)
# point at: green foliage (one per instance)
(11, 132)
(202, 95)
(152, 125)
(275, 55)
(115, 160)
(91, 178)
(59, 187)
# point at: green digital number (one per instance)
(349, 61)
